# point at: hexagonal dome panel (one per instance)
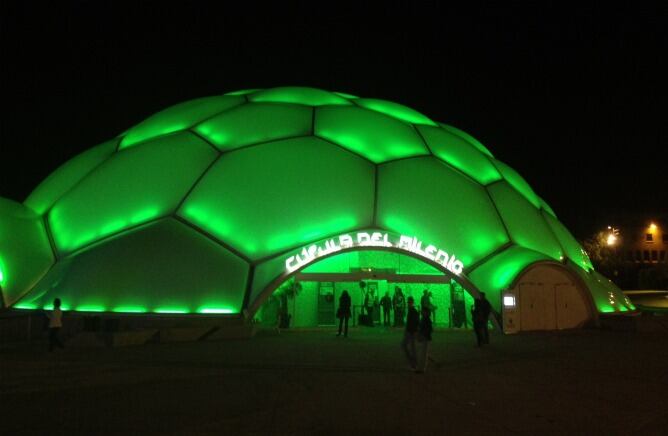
(267, 198)
(440, 209)
(134, 186)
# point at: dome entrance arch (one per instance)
(383, 260)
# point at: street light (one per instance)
(612, 236)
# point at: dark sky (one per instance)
(574, 99)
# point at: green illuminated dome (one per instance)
(196, 208)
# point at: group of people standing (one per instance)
(395, 305)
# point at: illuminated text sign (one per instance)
(373, 239)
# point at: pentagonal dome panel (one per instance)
(517, 182)
(569, 244)
(523, 221)
(460, 154)
(426, 198)
(498, 272)
(256, 122)
(270, 197)
(133, 186)
(61, 180)
(373, 135)
(179, 117)
(395, 110)
(25, 252)
(163, 267)
(299, 95)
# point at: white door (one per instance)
(530, 306)
(537, 307)
(571, 308)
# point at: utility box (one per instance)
(510, 313)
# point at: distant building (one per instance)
(641, 247)
(645, 244)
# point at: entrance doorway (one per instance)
(384, 273)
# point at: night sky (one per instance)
(574, 99)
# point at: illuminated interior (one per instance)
(196, 209)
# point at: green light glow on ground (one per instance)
(219, 310)
(130, 309)
(171, 310)
(90, 308)
(26, 306)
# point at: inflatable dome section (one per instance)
(208, 206)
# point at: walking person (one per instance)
(55, 324)
(424, 337)
(343, 313)
(410, 333)
(480, 313)
(399, 307)
(370, 301)
(386, 304)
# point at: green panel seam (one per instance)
(556, 238)
(213, 239)
(152, 138)
(374, 217)
(498, 214)
(112, 235)
(345, 149)
(78, 182)
(487, 257)
(249, 287)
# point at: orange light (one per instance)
(611, 239)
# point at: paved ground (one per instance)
(649, 299)
(587, 382)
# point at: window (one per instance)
(662, 255)
(664, 237)
(629, 256)
(649, 237)
(645, 255)
(655, 255)
(638, 257)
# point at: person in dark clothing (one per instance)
(480, 314)
(399, 307)
(55, 324)
(386, 304)
(370, 301)
(408, 343)
(424, 337)
(343, 313)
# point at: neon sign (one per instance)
(374, 239)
